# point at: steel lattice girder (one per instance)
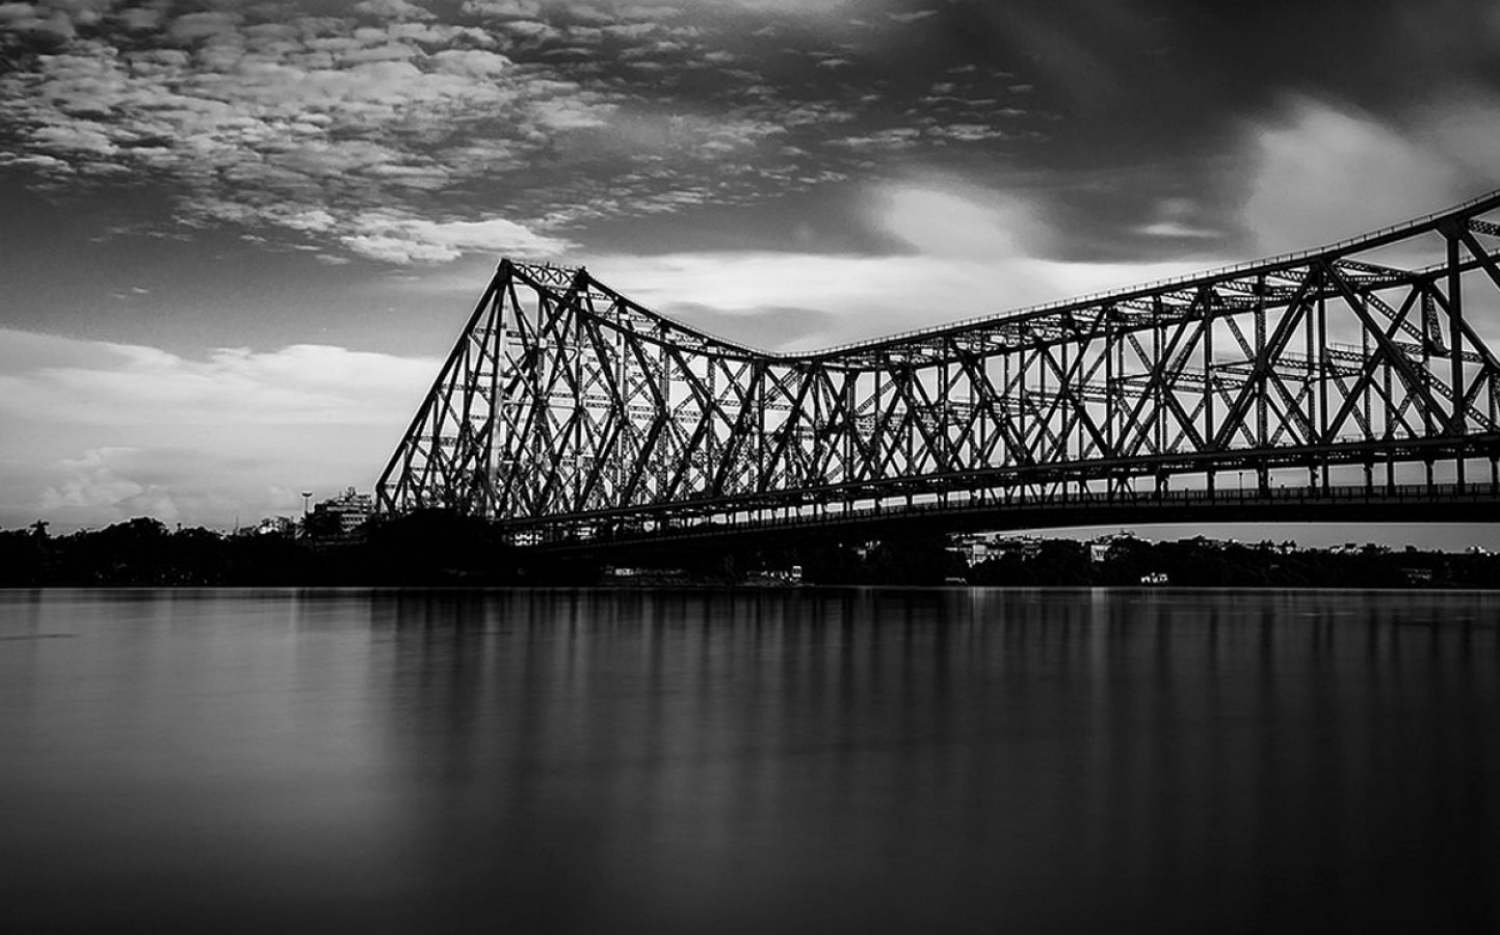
(565, 402)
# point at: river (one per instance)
(771, 760)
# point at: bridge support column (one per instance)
(1459, 423)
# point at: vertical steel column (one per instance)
(1208, 368)
(1111, 343)
(1324, 363)
(1158, 416)
(1459, 422)
(1262, 439)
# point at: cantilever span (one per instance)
(567, 411)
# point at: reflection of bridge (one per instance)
(1350, 382)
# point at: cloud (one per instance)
(1465, 127)
(956, 220)
(854, 298)
(1319, 168)
(1180, 219)
(503, 9)
(100, 482)
(189, 485)
(1177, 230)
(128, 384)
(410, 240)
(110, 431)
(266, 122)
(1318, 173)
(541, 115)
(970, 253)
(1322, 171)
(939, 250)
(393, 10)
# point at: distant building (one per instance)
(1024, 546)
(974, 548)
(1102, 548)
(792, 575)
(981, 547)
(274, 526)
(269, 526)
(343, 514)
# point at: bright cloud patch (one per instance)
(108, 482)
(128, 384)
(857, 297)
(957, 221)
(407, 240)
(113, 431)
(1323, 173)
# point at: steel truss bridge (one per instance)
(1349, 382)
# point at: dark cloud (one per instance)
(405, 132)
(548, 116)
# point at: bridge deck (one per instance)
(1410, 503)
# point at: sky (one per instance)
(237, 238)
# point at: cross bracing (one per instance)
(566, 406)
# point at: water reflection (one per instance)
(813, 760)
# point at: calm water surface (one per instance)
(753, 761)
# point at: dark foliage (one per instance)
(925, 560)
(436, 548)
(1208, 563)
(421, 549)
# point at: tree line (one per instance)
(441, 549)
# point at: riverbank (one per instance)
(440, 550)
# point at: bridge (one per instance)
(1351, 383)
